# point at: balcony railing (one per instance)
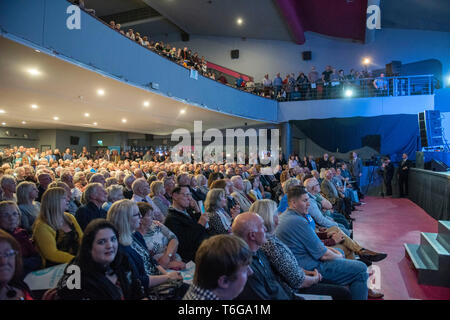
(348, 88)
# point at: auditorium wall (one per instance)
(18, 137)
(257, 57)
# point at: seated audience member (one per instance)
(105, 273)
(157, 193)
(295, 231)
(56, 234)
(111, 181)
(188, 226)
(128, 182)
(125, 216)
(219, 220)
(222, 265)
(161, 242)
(9, 222)
(194, 187)
(72, 207)
(44, 179)
(239, 194)
(249, 194)
(169, 185)
(283, 261)
(141, 191)
(98, 178)
(286, 186)
(95, 195)
(8, 185)
(232, 208)
(202, 183)
(263, 284)
(338, 200)
(12, 287)
(115, 193)
(27, 192)
(79, 182)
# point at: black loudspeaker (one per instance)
(436, 165)
(235, 54)
(373, 141)
(74, 140)
(306, 55)
(422, 130)
(419, 160)
(148, 137)
(185, 37)
(430, 127)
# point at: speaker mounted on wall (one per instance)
(235, 54)
(185, 37)
(306, 55)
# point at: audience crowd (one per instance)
(131, 226)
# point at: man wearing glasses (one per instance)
(187, 222)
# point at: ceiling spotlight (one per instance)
(124, 120)
(239, 21)
(348, 93)
(23, 122)
(366, 61)
(2, 111)
(3, 123)
(33, 72)
(86, 114)
(100, 92)
(95, 123)
(182, 111)
(55, 118)
(146, 103)
(34, 106)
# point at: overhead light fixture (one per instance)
(33, 72)
(146, 103)
(100, 92)
(2, 111)
(366, 61)
(55, 118)
(34, 106)
(182, 111)
(239, 21)
(3, 123)
(124, 120)
(348, 93)
(86, 114)
(37, 50)
(95, 123)
(23, 122)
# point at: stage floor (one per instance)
(384, 225)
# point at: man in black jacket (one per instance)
(403, 171)
(95, 196)
(189, 227)
(388, 173)
(324, 162)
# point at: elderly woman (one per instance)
(202, 183)
(9, 222)
(105, 273)
(56, 234)
(8, 185)
(111, 181)
(125, 216)
(27, 192)
(11, 285)
(285, 264)
(157, 192)
(248, 190)
(161, 242)
(215, 206)
(115, 193)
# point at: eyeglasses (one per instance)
(8, 254)
(9, 215)
(137, 215)
(186, 194)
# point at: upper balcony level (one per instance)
(77, 37)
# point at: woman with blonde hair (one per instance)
(215, 204)
(284, 262)
(126, 217)
(56, 233)
(27, 193)
(157, 192)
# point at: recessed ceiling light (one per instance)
(124, 120)
(100, 92)
(95, 123)
(239, 21)
(37, 50)
(55, 118)
(182, 111)
(34, 106)
(23, 122)
(3, 123)
(146, 103)
(86, 114)
(2, 111)
(34, 72)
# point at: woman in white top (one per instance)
(293, 161)
(219, 219)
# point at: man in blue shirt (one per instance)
(277, 84)
(295, 231)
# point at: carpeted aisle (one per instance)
(384, 225)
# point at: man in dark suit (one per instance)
(388, 173)
(189, 227)
(356, 168)
(403, 171)
(324, 162)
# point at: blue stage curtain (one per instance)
(398, 133)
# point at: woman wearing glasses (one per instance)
(11, 285)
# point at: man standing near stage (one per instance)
(356, 168)
(403, 172)
(388, 173)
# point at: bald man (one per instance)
(263, 284)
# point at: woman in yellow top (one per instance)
(56, 233)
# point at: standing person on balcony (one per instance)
(380, 85)
(313, 77)
(326, 78)
(277, 85)
(267, 85)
